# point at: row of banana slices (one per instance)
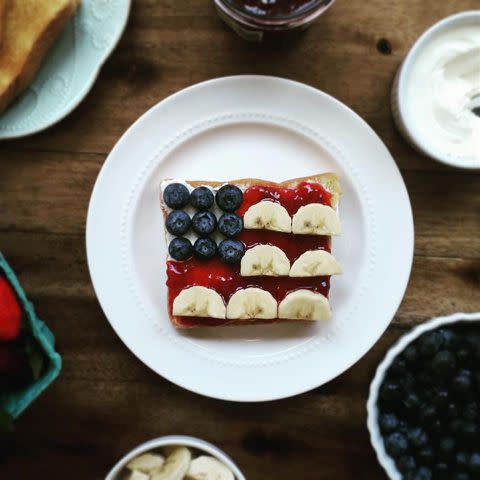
(268, 260)
(178, 465)
(251, 303)
(311, 219)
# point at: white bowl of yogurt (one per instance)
(436, 93)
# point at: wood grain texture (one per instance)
(106, 401)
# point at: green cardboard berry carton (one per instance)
(38, 344)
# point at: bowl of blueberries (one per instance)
(424, 402)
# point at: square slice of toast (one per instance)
(330, 183)
(30, 28)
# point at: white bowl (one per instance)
(398, 97)
(176, 440)
(372, 421)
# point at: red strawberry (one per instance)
(10, 312)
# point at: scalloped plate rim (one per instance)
(86, 90)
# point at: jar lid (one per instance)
(276, 10)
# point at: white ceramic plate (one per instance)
(236, 127)
(69, 70)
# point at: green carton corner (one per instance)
(15, 403)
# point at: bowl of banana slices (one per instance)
(176, 458)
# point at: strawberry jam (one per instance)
(290, 198)
(226, 279)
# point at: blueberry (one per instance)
(202, 198)
(423, 473)
(204, 223)
(229, 198)
(473, 339)
(403, 427)
(441, 471)
(464, 356)
(461, 459)
(410, 354)
(456, 427)
(231, 251)
(388, 422)
(205, 248)
(428, 413)
(396, 444)
(398, 366)
(444, 364)
(453, 410)
(436, 427)
(426, 455)
(178, 223)
(176, 195)
(461, 476)
(230, 224)
(440, 400)
(407, 381)
(474, 462)
(180, 249)
(430, 343)
(406, 464)
(390, 392)
(462, 382)
(469, 430)
(426, 379)
(447, 446)
(449, 337)
(470, 412)
(417, 437)
(411, 402)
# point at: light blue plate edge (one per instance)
(17, 402)
(82, 93)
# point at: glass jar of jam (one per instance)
(256, 19)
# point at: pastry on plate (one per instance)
(30, 28)
(250, 251)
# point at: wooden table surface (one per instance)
(106, 401)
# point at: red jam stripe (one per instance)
(291, 198)
(292, 245)
(226, 280)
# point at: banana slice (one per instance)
(266, 260)
(147, 463)
(269, 216)
(304, 305)
(315, 263)
(199, 302)
(316, 219)
(176, 465)
(138, 475)
(208, 468)
(252, 303)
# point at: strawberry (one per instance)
(10, 312)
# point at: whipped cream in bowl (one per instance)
(436, 95)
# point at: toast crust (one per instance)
(21, 71)
(3, 16)
(329, 180)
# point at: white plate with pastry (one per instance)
(250, 127)
(51, 55)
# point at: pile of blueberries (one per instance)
(204, 222)
(429, 406)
